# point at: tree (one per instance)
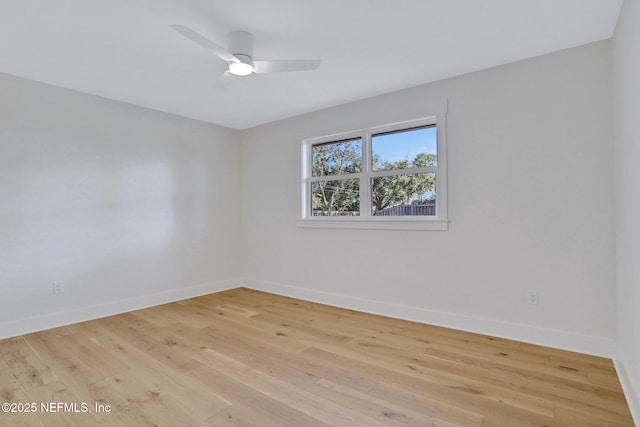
(335, 159)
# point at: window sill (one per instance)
(376, 224)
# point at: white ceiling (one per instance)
(125, 49)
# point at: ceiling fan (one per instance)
(239, 54)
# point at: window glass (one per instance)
(405, 149)
(337, 158)
(335, 197)
(404, 195)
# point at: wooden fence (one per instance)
(408, 210)
(399, 210)
(335, 213)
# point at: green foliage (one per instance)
(332, 197)
(336, 159)
(423, 159)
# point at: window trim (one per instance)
(366, 220)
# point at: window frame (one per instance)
(366, 220)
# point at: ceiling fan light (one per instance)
(241, 68)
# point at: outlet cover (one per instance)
(58, 287)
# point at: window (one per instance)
(385, 177)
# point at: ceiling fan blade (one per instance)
(286, 65)
(224, 81)
(204, 42)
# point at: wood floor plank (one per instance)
(391, 412)
(197, 397)
(251, 407)
(24, 364)
(547, 384)
(326, 411)
(139, 402)
(249, 358)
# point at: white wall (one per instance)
(626, 107)
(128, 206)
(530, 203)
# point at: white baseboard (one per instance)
(593, 345)
(53, 320)
(631, 392)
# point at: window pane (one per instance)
(335, 198)
(336, 158)
(404, 195)
(404, 149)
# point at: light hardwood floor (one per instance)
(250, 358)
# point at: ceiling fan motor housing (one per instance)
(240, 43)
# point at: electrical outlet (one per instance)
(58, 287)
(532, 297)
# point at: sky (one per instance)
(405, 145)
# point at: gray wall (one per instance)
(530, 202)
(626, 66)
(128, 206)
